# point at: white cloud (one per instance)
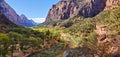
(38, 20)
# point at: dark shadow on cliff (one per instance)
(94, 8)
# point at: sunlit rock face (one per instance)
(111, 4)
(9, 12)
(66, 9)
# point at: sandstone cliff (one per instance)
(66, 9)
(111, 4)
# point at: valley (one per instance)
(73, 28)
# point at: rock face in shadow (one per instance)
(9, 12)
(6, 24)
(66, 9)
(27, 22)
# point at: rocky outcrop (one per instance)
(6, 10)
(66, 9)
(113, 45)
(111, 4)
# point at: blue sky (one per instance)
(33, 9)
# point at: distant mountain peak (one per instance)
(10, 13)
(23, 16)
(27, 22)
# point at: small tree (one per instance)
(4, 45)
(16, 38)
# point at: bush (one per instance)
(4, 44)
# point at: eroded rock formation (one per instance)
(66, 9)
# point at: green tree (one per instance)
(16, 38)
(4, 45)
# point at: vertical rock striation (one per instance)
(66, 9)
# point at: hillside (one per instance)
(26, 22)
(73, 28)
(6, 24)
(10, 13)
(90, 37)
(93, 36)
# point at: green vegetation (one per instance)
(49, 40)
(4, 44)
(26, 38)
(82, 37)
(52, 52)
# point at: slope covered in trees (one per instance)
(91, 37)
(98, 36)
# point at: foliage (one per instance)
(4, 44)
(52, 52)
(26, 38)
(82, 31)
(78, 31)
